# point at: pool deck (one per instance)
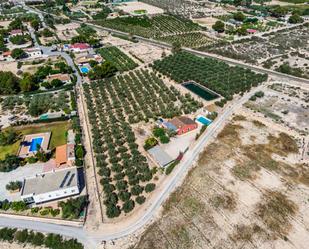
(25, 144)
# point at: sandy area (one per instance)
(205, 21)
(130, 7)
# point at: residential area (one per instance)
(154, 124)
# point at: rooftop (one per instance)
(160, 156)
(80, 45)
(181, 121)
(51, 181)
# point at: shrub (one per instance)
(150, 187)
(150, 142)
(12, 186)
(140, 199)
(164, 139)
(128, 206)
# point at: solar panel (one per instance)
(64, 179)
(69, 182)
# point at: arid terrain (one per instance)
(248, 190)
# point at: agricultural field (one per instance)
(113, 106)
(37, 104)
(151, 27)
(279, 45)
(118, 58)
(249, 189)
(191, 40)
(215, 75)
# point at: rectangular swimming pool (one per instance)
(200, 91)
(203, 120)
(34, 144)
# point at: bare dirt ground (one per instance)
(249, 190)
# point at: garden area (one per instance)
(35, 105)
(58, 130)
(119, 59)
(113, 105)
(213, 74)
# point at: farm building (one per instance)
(51, 186)
(160, 156)
(16, 32)
(183, 124)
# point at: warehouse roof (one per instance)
(160, 156)
(51, 181)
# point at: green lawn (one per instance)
(58, 131)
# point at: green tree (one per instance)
(295, 18)
(239, 16)
(176, 47)
(9, 83)
(27, 83)
(35, 23)
(219, 26)
(128, 206)
(79, 152)
(150, 187)
(18, 53)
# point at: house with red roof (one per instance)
(183, 124)
(80, 47)
(16, 32)
(6, 56)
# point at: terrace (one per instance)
(31, 143)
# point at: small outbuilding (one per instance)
(160, 156)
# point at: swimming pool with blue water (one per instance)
(34, 144)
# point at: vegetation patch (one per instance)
(275, 212)
(225, 201)
(213, 74)
(119, 59)
(246, 233)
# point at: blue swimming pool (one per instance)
(203, 120)
(84, 70)
(34, 143)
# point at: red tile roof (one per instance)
(80, 45)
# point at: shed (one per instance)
(160, 156)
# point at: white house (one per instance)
(50, 186)
(33, 52)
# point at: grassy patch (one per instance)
(258, 124)
(58, 136)
(246, 170)
(246, 232)
(275, 212)
(225, 201)
(239, 118)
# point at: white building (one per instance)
(51, 186)
(33, 52)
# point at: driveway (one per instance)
(17, 175)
